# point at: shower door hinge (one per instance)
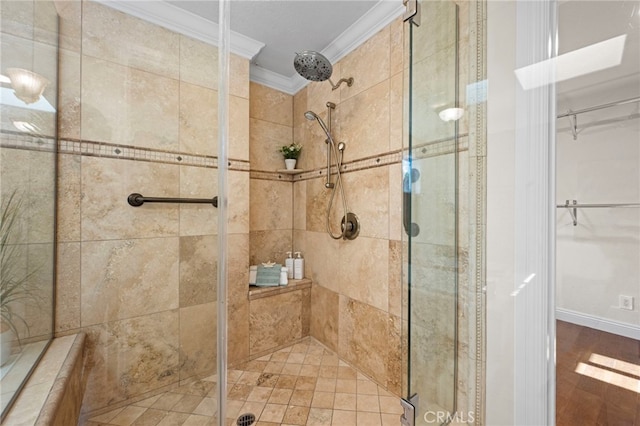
(408, 418)
(413, 11)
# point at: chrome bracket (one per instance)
(408, 418)
(412, 13)
(573, 211)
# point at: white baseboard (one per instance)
(602, 324)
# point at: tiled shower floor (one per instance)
(303, 384)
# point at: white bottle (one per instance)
(288, 263)
(298, 267)
(284, 280)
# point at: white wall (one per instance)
(599, 259)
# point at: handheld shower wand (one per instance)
(350, 223)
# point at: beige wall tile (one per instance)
(398, 54)
(238, 128)
(68, 287)
(69, 95)
(149, 47)
(38, 312)
(237, 297)
(318, 94)
(45, 22)
(120, 278)
(322, 262)
(238, 210)
(363, 122)
(443, 36)
(198, 120)
(16, 51)
(298, 119)
(300, 244)
(300, 205)
(396, 112)
(367, 337)
(324, 316)
(364, 271)
(395, 278)
(317, 204)
(368, 197)
(198, 270)
(198, 63)
(239, 76)
(70, 24)
(313, 141)
(127, 106)
(441, 95)
(106, 184)
(395, 202)
(270, 245)
(198, 340)
(131, 357)
(270, 105)
(275, 321)
(266, 140)
(198, 182)
(17, 18)
(369, 64)
(271, 205)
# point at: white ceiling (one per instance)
(584, 23)
(270, 32)
(285, 27)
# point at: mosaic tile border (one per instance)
(431, 149)
(27, 142)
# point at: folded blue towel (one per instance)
(268, 276)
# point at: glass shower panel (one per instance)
(28, 140)
(430, 190)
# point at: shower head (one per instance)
(312, 65)
(310, 115)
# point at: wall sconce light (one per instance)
(27, 85)
(451, 114)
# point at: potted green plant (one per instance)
(15, 283)
(290, 153)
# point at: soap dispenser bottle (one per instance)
(288, 263)
(298, 267)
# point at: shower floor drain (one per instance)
(246, 419)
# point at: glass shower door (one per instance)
(430, 182)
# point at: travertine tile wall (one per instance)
(356, 296)
(356, 300)
(271, 127)
(138, 113)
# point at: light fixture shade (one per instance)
(451, 114)
(27, 85)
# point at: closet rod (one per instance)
(573, 207)
(579, 206)
(595, 108)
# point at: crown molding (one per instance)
(378, 17)
(289, 85)
(181, 21)
(192, 25)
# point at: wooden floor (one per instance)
(612, 398)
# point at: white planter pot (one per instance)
(290, 163)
